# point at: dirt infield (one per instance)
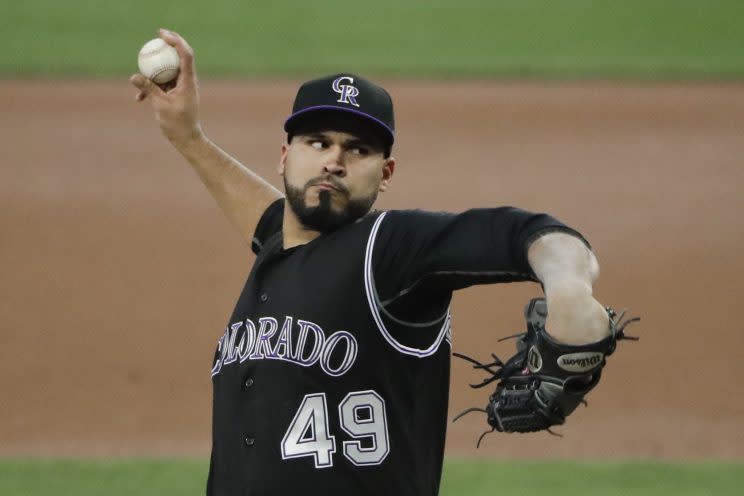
(119, 271)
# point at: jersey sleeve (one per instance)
(442, 252)
(269, 224)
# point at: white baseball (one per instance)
(158, 61)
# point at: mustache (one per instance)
(330, 180)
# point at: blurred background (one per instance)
(624, 119)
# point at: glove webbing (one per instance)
(516, 364)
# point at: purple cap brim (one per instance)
(342, 109)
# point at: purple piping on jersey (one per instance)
(342, 109)
(369, 285)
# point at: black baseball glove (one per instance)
(545, 380)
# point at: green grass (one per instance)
(461, 477)
(639, 478)
(102, 477)
(440, 38)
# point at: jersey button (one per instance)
(248, 382)
(264, 297)
(249, 441)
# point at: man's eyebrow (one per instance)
(362, 142)
(350, 142)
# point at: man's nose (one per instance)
(334, 163)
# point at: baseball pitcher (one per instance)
(332, 373)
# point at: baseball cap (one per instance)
(349, 93)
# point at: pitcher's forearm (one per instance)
(242, 194)
(567, 270)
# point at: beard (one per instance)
(322, 217)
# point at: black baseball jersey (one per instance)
(332, 376)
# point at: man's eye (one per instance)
(318, 145)
(357, 150)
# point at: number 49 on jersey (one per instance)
(362, 416)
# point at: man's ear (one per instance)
(387, 173)
(283, 159)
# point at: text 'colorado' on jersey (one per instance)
(298, 341)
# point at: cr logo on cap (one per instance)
(347, 92)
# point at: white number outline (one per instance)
(330, 441)
(357, 444)
(314, 453)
